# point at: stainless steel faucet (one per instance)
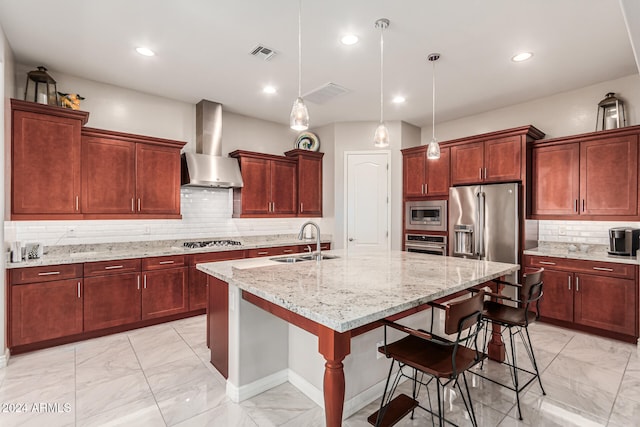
(318, 253)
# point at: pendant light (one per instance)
(299, 118)
(433, 150)
(381, 137)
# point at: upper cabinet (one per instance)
(270, 185)
(592, 176)
(45, 154)
(61, 170)
(492, 160)
(423, 177)
(309, 181)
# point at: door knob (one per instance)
(351, 239)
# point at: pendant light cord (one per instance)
(433, 106)
(381, 72)
(300, 49)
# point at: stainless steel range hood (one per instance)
(206, 167)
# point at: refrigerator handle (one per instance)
(480, 227)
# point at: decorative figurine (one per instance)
(70, 100)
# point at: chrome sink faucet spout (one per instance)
(301, 236)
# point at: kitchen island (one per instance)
(333, 299)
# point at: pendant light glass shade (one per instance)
(433, 150)
(381, 137)
(299, 117)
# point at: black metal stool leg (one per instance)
(515, 372)
(383, 409)
(533, 360)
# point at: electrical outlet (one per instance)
(71, 232)
(147, 230)
(378, 354)
(562, 231)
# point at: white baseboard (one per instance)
(308, 389)
(247, 391)
(4, 358)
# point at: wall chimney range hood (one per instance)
(206, 167)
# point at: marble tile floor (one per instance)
(124, 380)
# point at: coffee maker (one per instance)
(624, 241)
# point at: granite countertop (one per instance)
(71, 254)
(579, 251)
(356, 288)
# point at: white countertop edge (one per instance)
(353, 323)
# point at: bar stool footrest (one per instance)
(394, 411)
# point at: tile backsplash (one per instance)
(589, 232)
(205, 213)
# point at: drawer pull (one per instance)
(603, 269)
(113, 267)
(49, 273)
(166, 262)
(263, 253)
(287, 251)
(547, 262)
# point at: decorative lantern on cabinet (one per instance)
(41, 87)
(610, 113)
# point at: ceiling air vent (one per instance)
(325, 93)
(263, 52)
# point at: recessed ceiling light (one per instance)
(349, 39)
(269, 89)
(399, 99)
(145, 51)
(523, 56)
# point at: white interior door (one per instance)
(367, 193)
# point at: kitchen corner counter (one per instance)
(72, 254)
(580, 252)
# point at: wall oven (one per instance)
(426, 244)
(426, 215)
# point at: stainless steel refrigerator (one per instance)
(484, 222)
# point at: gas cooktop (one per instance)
(211, 243)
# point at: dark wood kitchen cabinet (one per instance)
(129, 176)
(309, 166)
(164, 286)
(492, 160)
(198, 279)
(594, 176)
(270, 186)
(45, 303)
(46, 161)
(598, 297)
(423, 177)
(112, 293)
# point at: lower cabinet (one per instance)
(594, 296)
(164, 286)
(45, 303)
(198, 279)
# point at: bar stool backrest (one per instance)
(461, 315)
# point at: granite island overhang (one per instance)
(329, 299)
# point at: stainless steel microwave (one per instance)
(430, 215)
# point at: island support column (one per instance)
(495, 348)
(334, 346)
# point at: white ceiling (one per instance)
(203, 49)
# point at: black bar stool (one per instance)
(436, 357)
(515, 320)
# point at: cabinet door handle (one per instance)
(603, 269)
(569, 281)
(166, 262)
(546, 262)
(301, 207)
(426, 188)
(480, 170)
(113, 267)
(422, 189)
(133, 208)
(273, 206)
(49, 273)
(79, 290)
(77, 203)
(145, 281)
(138, 281)
(139, 204)
(577, 284)
(575, 206)
(583, 207)
(485, 173)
